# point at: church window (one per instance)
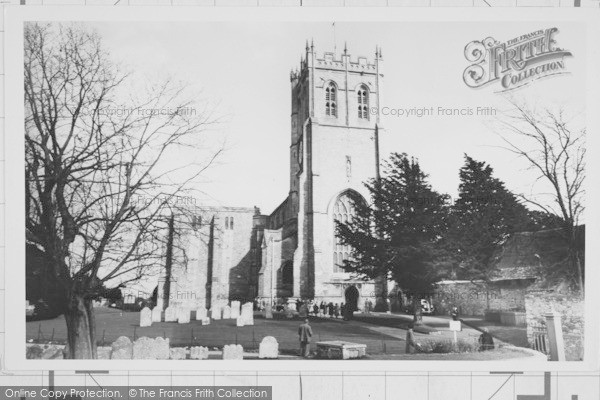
(331, 100)
(287, 273)
(363, 102)
(348, 167)
(231, 223)
(226, 222)
(343, 211)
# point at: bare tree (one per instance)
(101, 175)
(555, 149)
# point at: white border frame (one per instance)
(14, 149)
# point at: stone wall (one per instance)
(571, 308)
(475, 298)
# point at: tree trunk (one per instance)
(417, 312)
(81, 329)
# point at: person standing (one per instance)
(486, 340)
(330, 307)
(304, 335)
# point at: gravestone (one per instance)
(178, 353)
(269, 312)
(183, 315)
(145, 317)
(200, 313)
(199, 353)
(239, 321)
(226, 312)
(233, 352)
(156, 314)
(171, 314)
(235, 309)
(248, 313)
(121, 349)
(268, 348)
(151, 349)
(215, 313)
(205, 321)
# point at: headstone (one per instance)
(239, 321)
(226, 312)
(235, 309)
(145, 317)
(199, 353)
(121, 349)
(156, 314)
(200, 313)
(269, 312)
(183, 315)
(248, 313)
(268, 348)
(151, 349)
(233, 352)
(178, 353)
(103, 353)
(205, 321)
(215, 312)
(171, 314)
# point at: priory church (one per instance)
(233, 253)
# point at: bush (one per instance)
(448, 346)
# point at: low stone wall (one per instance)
(474, 299)
(571, 308)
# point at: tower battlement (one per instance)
(340, 61)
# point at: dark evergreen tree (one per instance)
(397, 234)
(482, 217)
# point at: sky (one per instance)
(242, 70)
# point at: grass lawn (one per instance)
(386, 344)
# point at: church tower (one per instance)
(334, 149)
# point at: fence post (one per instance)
(39, 332)
(555, 337)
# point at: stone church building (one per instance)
(231, 253)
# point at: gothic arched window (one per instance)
(343, 211)
(331, 100)
(363, 102)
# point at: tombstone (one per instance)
(171, 314)
(151, 349)
(235, 309)
(215, 313)
(199, 353)
(248, 313)
(156, 314)
(178, 353)
(145, 317)
(183, 315)
(205, 321)
(233, 352)
(239, 321)
(268, 348)
(121, 349)
(200, 313)
(269, 312)
(226, 312)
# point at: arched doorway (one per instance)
(351, 295)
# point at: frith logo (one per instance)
(516, 62)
